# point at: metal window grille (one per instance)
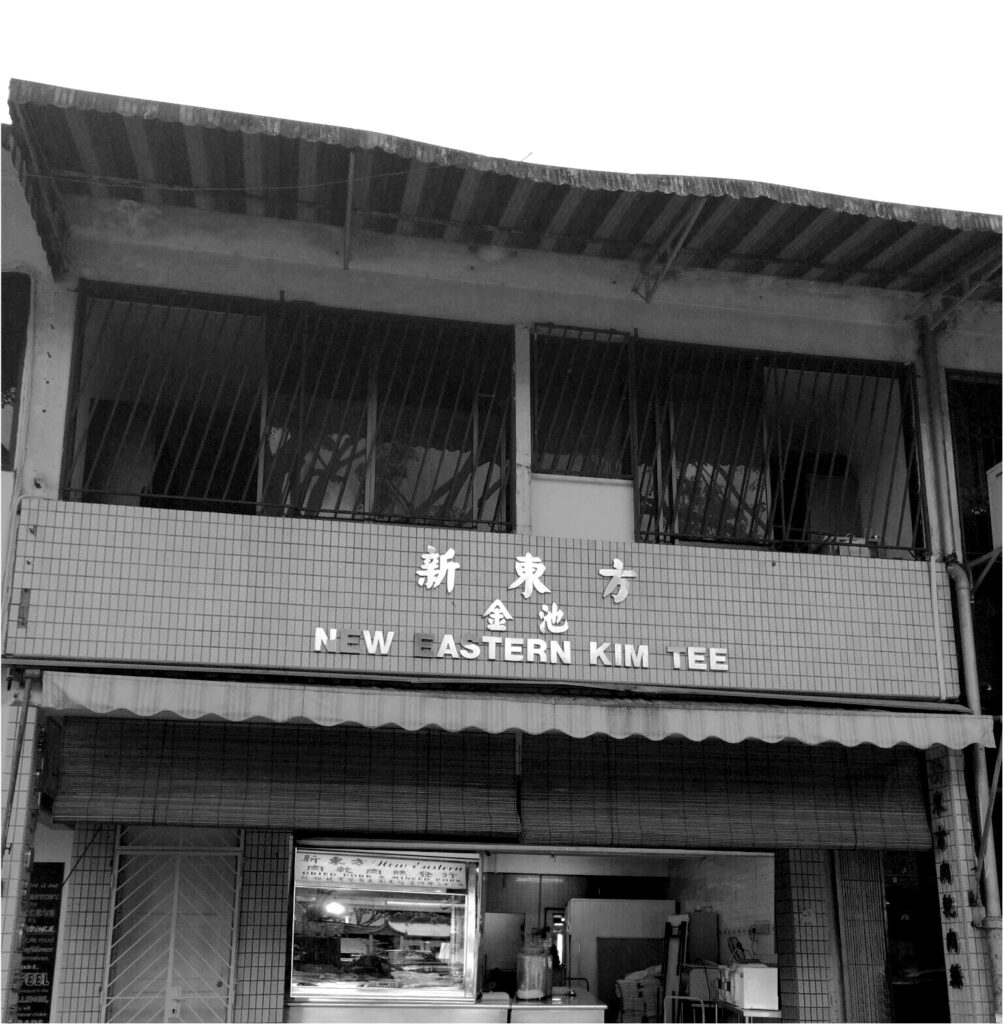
(173, 933)
(974, 404)
(16, 311)
(207, 403)
(734, 446)
(581, 403)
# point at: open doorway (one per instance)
(604, 917)
(915, 945)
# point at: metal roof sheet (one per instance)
(67, 142)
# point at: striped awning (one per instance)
(534, 714)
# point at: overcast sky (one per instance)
(886, 100)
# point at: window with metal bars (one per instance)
(207, 403)
(733, 446)
(16, 309)
(974, 403)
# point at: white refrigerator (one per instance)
(609, 938)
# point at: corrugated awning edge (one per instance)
(103, 693)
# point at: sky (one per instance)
(886, 100)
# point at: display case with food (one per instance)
(368, 926)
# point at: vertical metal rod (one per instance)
(681, 397)
(460, 389)
(646, 434)
(286, 384)
(123, 377)
(109, 958)
(214, 404)
(188, 354)
(484, 408)
(857, 454)
(548, 408)
(349, 203)
(15, 764)
(366, 356)
(483, 415)
(747, 371)
(505, 470)
(863, 449)
(987, 818)
(175, 353)
(880, 444)
(448, 354)
(462, 477)
(89, 383)
(666, 419)
(833, 449)
(919, 526)
(255, 404)
(330, 330)
(232, 452)
(708, 462)
(305, 466)
(264, 389)
(817, 446)
(187, 430)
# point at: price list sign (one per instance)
(38, 955)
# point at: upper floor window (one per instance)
(974, 402)
(733, 446)
(198, 402)
(16, 314)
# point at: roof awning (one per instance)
(576, 716)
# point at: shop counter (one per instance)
(489, 1010)
(580, 1008)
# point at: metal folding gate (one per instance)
(173, 926)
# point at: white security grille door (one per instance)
(172, 941)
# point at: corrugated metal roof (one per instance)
(67, 142)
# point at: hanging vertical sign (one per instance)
(38, 950)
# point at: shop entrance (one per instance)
(915, 947)
(616, 924)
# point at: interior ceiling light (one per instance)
(334, 908)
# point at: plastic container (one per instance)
(533, 973)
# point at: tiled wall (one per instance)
(804, 917)
(87, 897)
(165, 587)
(740, 891)
(17, 857)
(966, 950)
(260, 976)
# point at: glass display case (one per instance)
(372, 926)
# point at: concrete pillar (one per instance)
(968, 962)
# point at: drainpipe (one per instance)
(22, 721)
(963, 589)
(962, 584)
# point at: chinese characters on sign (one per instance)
(529, 570)
(437, 569)
(441, 569)
(619, 581)
(346, 868)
